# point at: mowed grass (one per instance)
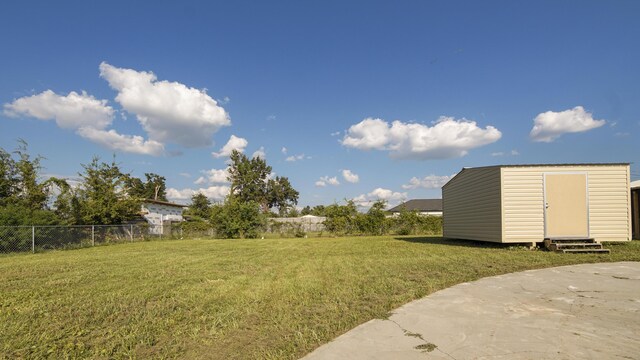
(233, 299)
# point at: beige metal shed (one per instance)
(530, 203)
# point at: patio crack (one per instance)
(427, 347)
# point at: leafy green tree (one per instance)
(374, 221)
(238, 219)
(305, 210)
(32, 194)
(248, 178)
(200, 206)
(318, 210)
(154, 188)
(249, 182)
(102, 196)
(341, 219)
(293, 212)
(16, 215)
(281, 194)
(8, 177)
(24, 196)
(67, 205)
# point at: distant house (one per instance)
(157, 212)
(422, 206)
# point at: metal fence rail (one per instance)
(40, 238)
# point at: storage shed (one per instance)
(530, 203)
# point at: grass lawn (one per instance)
(233, 299)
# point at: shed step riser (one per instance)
(585, 251)
(575, 246)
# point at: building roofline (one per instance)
(159, 202)
(534, 165)
(404, 205)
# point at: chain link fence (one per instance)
(41, 238)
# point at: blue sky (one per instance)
(350, 100)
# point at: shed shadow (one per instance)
(439, 240)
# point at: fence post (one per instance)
(93, 235)
(131, 233)
(33, 239)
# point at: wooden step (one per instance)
(562, 246)
(584, 251)
(575, 246)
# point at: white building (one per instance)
(159, 212)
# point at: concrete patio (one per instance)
(588, 311)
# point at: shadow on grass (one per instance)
(439, 240)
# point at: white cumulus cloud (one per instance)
(391, 197)
(294, 158)
(168, 111)
(72, 111)
(427, 182)
(234, 143)
(214, 176)
(550, 125)
(127, 143)
(214, 193)
(326, 180)
(447, 138)
(85, 114)
(260, 153)
(349, 176)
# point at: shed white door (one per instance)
(566, 205)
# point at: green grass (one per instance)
(233, 299)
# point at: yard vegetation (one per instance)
(233, 299)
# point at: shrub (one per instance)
(341, 219)
(412, 223)
(237, 219)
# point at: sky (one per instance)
(361, 100)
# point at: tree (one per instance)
(281, 194)
(374, 221)
(341, 218)
(102, 195)
(237, 219)
(305, 210)
(24, 197)
(32, 194)
(67, 205)
(318, 210)
(154, 188)
(200, 206)
(8, 177)
(293, 212)
(249, 182)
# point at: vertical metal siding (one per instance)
(471, 205)
(523, 201)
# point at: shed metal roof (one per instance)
(535, 165)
